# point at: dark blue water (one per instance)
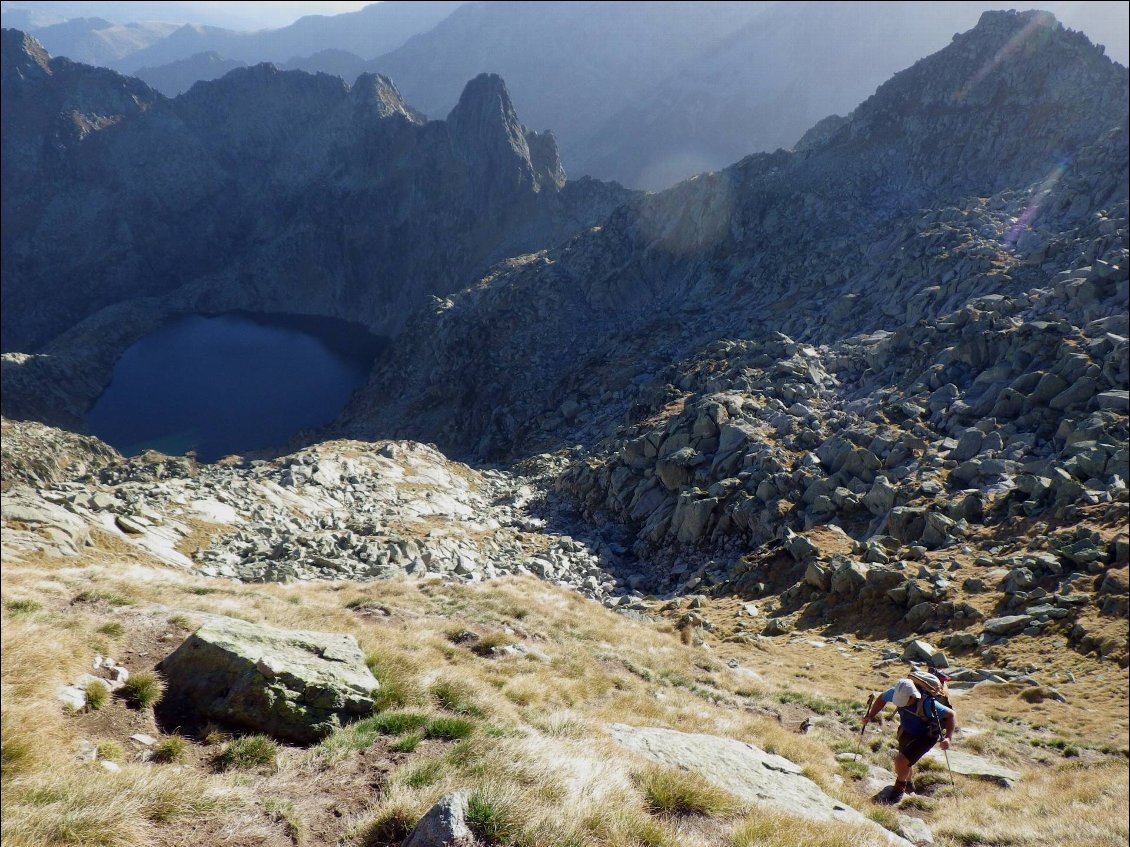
(231, 383)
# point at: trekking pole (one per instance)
(948, 768)
(863, 728)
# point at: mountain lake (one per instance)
(231, 383)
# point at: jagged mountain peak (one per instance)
(1002, 104)
(1009, 57)
(486, 132)
(484, 107)
(22, 53)
(379, 92)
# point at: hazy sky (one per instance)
(234, 14)
(1104, 22)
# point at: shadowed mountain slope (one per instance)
(285, 190)
(815, 244)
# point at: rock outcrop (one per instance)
(297, 686)
(744, 770)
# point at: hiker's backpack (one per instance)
(933, 685)
(937, 693)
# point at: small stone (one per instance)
(914, 830)
(445, 824)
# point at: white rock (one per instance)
(745, 771)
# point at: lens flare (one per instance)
(1040, 26)
(1039, 195)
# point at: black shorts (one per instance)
(914, 747)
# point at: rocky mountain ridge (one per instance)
(272, 190)
(749, 370)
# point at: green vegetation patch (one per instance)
(22, 607)
(492, 820)
(97, 695)
(169, 750)
(110, 597)
(143, 689)
(449, 729)
(456, 697)
(822, 705)
(247, 753)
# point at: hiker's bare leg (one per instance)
(902, 768)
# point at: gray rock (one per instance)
(746, 771)
(130, 525)
(968, 445)
(800, 547)
(936, 530)
(849, 578)
(1007, 625)
(777, 626)
(71, 697)
(290, 684)
(922, 651)
(1078, 392)
(968, 764)
(1116, 400)
(881, 498)
(692, 515)
(817, 576)
(445, 824)
(914, 830)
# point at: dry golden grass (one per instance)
(767, 827)
(1074, 803)
(537, 756)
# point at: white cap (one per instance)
(904, 693)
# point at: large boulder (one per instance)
(293, 685)
(747, 772)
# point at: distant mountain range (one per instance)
(369, 32)
(645, 94)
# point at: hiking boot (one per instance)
(910, 789)
(893, 794)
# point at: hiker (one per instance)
(925, 719)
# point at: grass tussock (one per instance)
(169, 750)
(1064, 805)
(111, 598)
(284, 812)
(457, 696)
(97, 695)
(143, 690)
(496, 818)
(250, 752)
(22, 607)
(399, 686)
(492, 641)
(673, 792)
(449, 729)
